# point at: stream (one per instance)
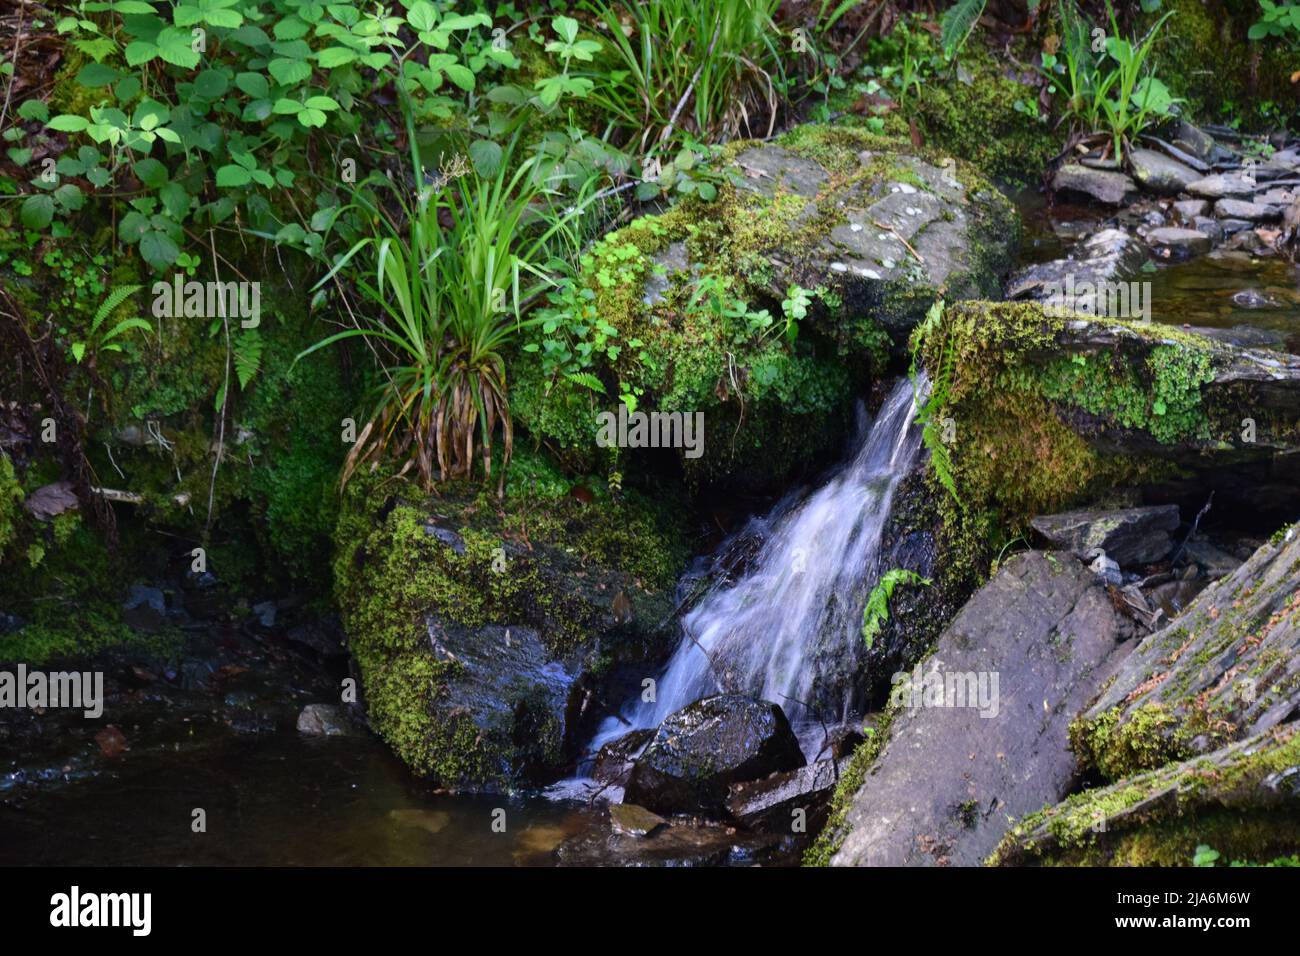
(273, 796)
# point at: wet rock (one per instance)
(613, 763)
(1173, 242)
(447, 536)
(1189, 209)
(1195, 141)
(323, 720)
(1243, 336)
(1254, 299)
(51, 500)
(1111, 188)
(960, 764)
(1108, 256)
(1213, 562)
(1242, 799)
(1211, 227)
(145, 608)
(776, 803)
(265, 613)
(1160, 173)
(698, 752)
(1230, 227)
(511, 688)
(1221, 185)
(683, 843)
(1243, 209)
(1129, 536)
(630, 820)
(1227, 668)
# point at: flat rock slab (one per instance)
(1111, 188)
(949, 779)
(1227, 668)
(1159, 817)
(1129, 536)
(631, 820)
(1108, 256)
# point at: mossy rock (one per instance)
(1240, 799)
(482, 629)
(871, 229)
(1228, 667)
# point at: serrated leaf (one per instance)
(37, 211)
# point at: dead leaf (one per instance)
(112, 742)
(50, 500)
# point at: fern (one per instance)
(876, 613)
(248, 357)
(930, 414)
(587, 380)
(115, 298)
(957, 23)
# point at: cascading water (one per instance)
(779, 631)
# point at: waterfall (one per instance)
(783, 629)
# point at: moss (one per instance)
(1204, 56)
(541, 558)
(1147, 738)
(11, 496)
(832, 836)
(1158, 818)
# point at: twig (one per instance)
(1195, 523)
(900, 239)
(18, 35)
(690, 87)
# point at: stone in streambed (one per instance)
(1189, 209)
(631, 820)
(1160, 173)
(1172, 242)
(1220, 185)
(323, 720)
(613, 761)
(698, 752)
(771, 804)
(1130, 536)
(1112, 188)
(1242, 209)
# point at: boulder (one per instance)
(776, 803)
(1111, 188)
(979, 733)
(1178, 244)
(1160, 173)
(1226, 669)
(1129, 536)
(698, 752)
(1242, 801)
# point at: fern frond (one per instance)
(115, 298)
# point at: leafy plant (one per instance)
(876, 614)
(1278, 21)
(97, 341)
(449, 273)
(930, 415)
(710, 66)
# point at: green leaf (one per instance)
(230, 176)
(37, 211)
(140, 51)
(78, 351)
(322, 103)
(69, 123)
(211, 84)
(35, 110)
(289, 72)
(486, 156)
(335, 56)
(174, 46)
(151, 172)
(254, 84)
(157, 249)
(422, 16)
(94, 75)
